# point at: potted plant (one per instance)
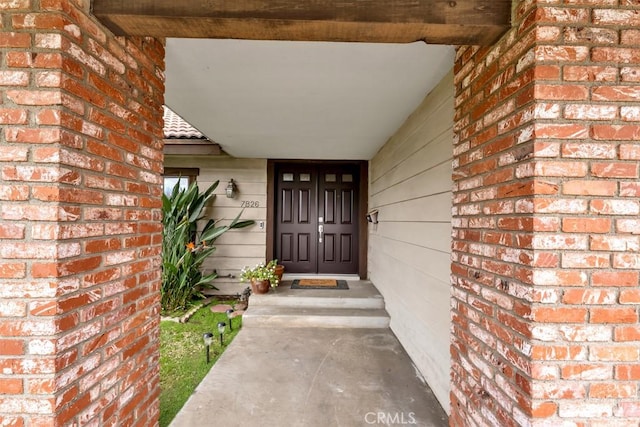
(279, 270)
(261, 277)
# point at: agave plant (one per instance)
(184, 249)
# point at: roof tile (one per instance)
(175, 127)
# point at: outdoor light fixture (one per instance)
(372, 217)
(229, 313)
(208, 340)
(221, 328)
(231, 189)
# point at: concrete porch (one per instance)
(360, 306)
(314, 358)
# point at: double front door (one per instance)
(317, 218)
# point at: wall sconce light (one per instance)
(231, 189)
(372, 217)
(208, 340)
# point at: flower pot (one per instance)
(279, 271)
(260, 286)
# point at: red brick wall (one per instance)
(546, 230)
(80, 164)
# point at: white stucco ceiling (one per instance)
(300, 100)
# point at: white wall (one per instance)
(236, 248)
(409, 249)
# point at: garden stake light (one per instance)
(221, 328)
(208, 340)
(229, 313)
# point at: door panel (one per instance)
(286, 247)
(338, 184)
(329, 207)
(304, 205)
(346, 250)
(287, 207)
(317, 218)
(304, 247)
(329, 248)
(347, 207)
(296, 231)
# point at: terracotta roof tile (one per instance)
(175, 127)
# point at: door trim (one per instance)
(363, 228)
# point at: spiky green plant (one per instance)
(184, 249)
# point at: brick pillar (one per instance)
(546, 247)
(80, 165)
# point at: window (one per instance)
(287, 177)
(182, 176)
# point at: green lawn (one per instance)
(182, 357)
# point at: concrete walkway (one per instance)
(310, 376)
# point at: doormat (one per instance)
(319, 284)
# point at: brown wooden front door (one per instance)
(317, 218)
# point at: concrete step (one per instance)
(274, 300)
(319, 317)
(360, 295)
(360, 306)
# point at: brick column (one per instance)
(80, 164)
(546, 230)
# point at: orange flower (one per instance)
(191, 246)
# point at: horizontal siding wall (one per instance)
(236, 248)
(409, 249)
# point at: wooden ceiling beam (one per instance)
(452, 22)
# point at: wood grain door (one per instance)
(316, 228)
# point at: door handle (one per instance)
(320, 231)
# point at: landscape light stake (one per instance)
(229, 313)
(221, 328)
(208, 340)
